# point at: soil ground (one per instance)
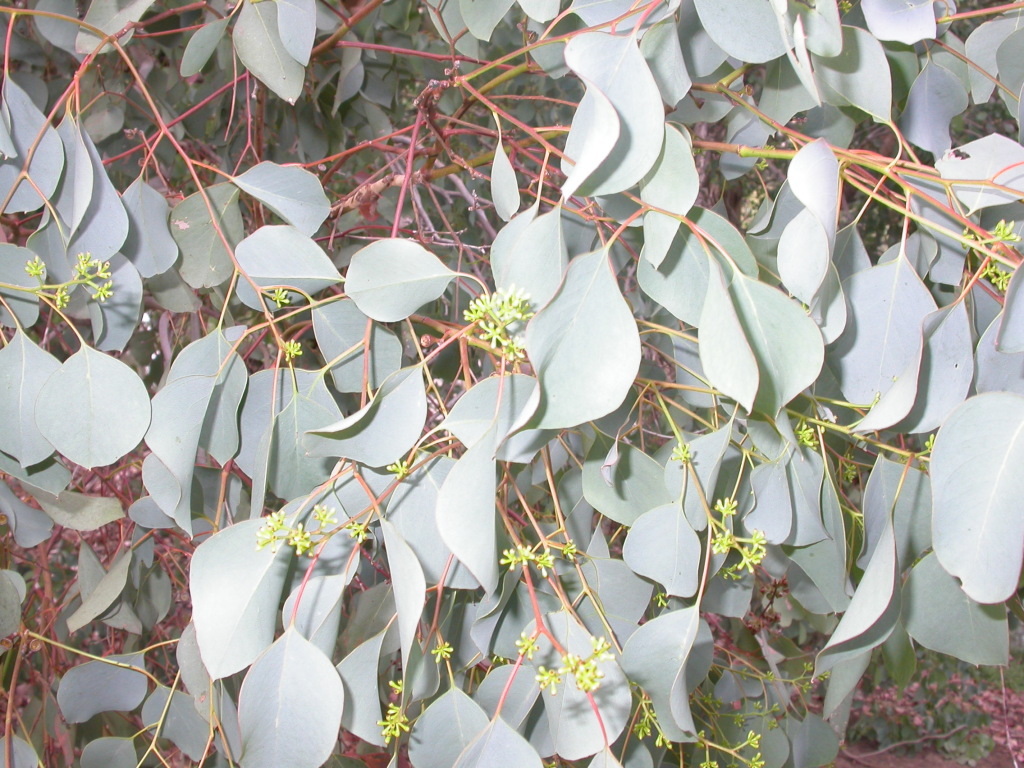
(1006, 730)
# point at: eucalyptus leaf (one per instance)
(973, 467)
(391, 279)
(292, 686)
(584, 346)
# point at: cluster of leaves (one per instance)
(369, 368)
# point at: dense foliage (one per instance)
(490, 383)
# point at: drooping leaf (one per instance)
(814, 742)
(110, 752)
(201, 45)
(23, 754)
(103, 595)
(87, 199)
(995, 159)
(24, 367)
(291, 688)
(655, 658)
(504, 187)
(12, 591)
(1010, 337)
(466, 514)
(897, 495)
(592, 142)
(680, 282)
(664, 547)
(341, 334)
(198, 406)
(615, 71)
(409, 585)
(757, 345)
(261, 50)
(498, 744)
(946, 371)
(78, 511)
(672, 185)
(110, 16)
(936, 97)
(279, 407)
(28, 525)
(307, 268)
(381, 432)
(94, 409)
(584, 346)
(205, 260)
(880, 340)
(978, 533)
(358, 672)
(293, 193)
(482, 16)
(633, 485)
(939, 616)
(662, 52)
(787, 499)
(445, 729)
(29, 129)
(113, 684)
(115, 319)
(17, 294)
(316, 607)
(148, 245)
(491, 409)
(747, 29)
(174, 713)
(235, 591)
(576, 729)
(905, 21)
(858, 77)
(529, 254)
(873, 611)
(390, 279)
(296, 24)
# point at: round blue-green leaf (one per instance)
(504, 186)
(110, 752)
(445, 729)
(905, 21)
(391, 278)
(859, 76)
(10, 602)
(977, 528)
(584, 346)
(94, 409)
(201, 46)
(114, 684)
(261, 256)
(746, 29)
(936, 97)
(612, 66)
(939, 616)
(235, 590)
(662, 546)
(261, 50)
(497, 745)
(29, 129)
(24, 368)
(289, 708)
(149, 245)
(23, 753)
(293, 193)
